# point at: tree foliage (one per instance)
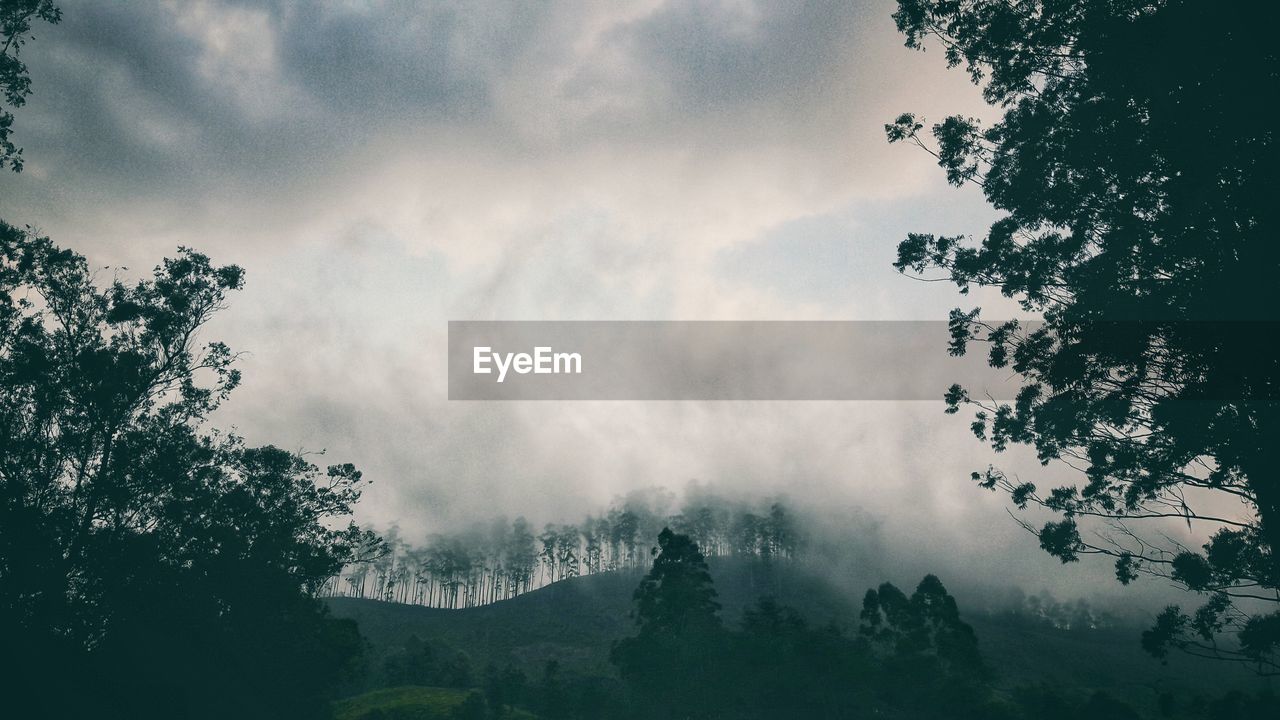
(16, 18)
(677, 596)
(173, 564)
(927, 624)
(912, 657)
(1137, 220)
(672, 658)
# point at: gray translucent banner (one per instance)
(713, 360)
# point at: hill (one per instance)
(576, 621)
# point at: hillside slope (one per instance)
(575, 622)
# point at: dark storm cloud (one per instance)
(401, 59)
(144, 91)
(95, 74)
(155, 95)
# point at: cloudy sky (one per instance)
(380, 168)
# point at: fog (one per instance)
(379, 170)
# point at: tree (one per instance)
(175, 565)
(1138, 221)
(930, 656)
(16, 18)
(673, 657)
(926, 624)
(677, 596)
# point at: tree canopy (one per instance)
(1138, 222)
(674, 656)
(676, 596)
(16, 18)
(175, 564)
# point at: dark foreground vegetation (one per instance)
(699, 640)
(154, 567)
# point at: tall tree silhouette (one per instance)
(930, 655)
(673, 658)
(926, 624)
(677, 596)
(173, 566)
(1139, 220)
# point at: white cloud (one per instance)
(380, 171)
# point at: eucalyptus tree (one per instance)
(673, 657)
(1138, 220)
(497, 559)
(522, 557)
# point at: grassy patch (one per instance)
(409, 703)
(401, 703)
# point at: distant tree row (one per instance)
(1014, 605)
(501, 559)
(912, 657)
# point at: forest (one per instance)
(747, 638)
(499, 560)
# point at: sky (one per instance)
(381, 168)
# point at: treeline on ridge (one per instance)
(501, 559)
